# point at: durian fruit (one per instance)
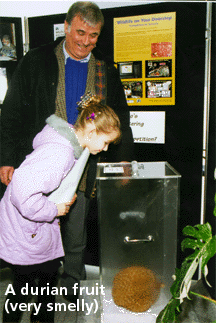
(136, 288)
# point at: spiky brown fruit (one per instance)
(135, 288)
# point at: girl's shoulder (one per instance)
(66, 131)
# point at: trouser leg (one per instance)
(47, 274)
(11, 311)
(73, 227)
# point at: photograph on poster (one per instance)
(4, 83)
(130, 69)
(133, 89)
(159, 89)
(7, 42)
(162, 49)
(158, 68)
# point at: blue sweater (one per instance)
(75, 84)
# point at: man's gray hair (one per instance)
(88, 11)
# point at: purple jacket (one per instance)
(29, 230)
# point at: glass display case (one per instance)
(138, 206)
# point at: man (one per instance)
(52, 79)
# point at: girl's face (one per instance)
(97, 142)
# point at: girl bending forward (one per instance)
(30, 238)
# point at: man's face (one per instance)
(80, 38)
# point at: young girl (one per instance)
(30, 239)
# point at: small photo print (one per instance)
(130, 70)
(7, 42)
(159, 89)
(158, 68)
(163, 49)
(133, 89)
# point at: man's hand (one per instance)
(63, 208)
(6, 173)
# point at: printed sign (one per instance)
(148, 126)
(144, 50)
(58, 31)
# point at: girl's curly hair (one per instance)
(104, 117)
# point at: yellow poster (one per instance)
(144, 49)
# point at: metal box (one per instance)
(138, 205)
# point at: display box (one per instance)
(138, 207)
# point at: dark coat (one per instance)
(31, 99)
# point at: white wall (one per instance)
(27, 9)
(40, 8)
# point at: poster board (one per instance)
(144, 49)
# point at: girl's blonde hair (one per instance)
(104, 118)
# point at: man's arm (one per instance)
(9, 130)
(11, 118)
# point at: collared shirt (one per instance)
(66, 55)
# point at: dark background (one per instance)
(184, 120)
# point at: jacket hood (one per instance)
(55, 130)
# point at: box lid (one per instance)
(136, 170)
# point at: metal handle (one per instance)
(128, 240)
